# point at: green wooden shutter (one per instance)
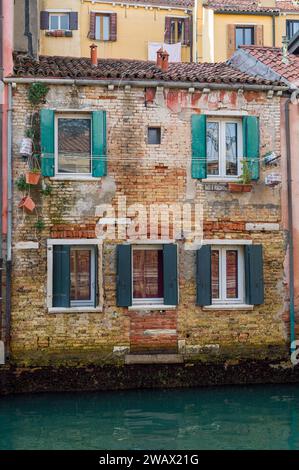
(61, 276)
(254, 279)
(199, 146)
(124, 276)
(170, 274)
(47, 142)
(99, 158)
(204, 276)
(251, 144)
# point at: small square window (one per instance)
(154, 135)
(59, 22)
(244, 36)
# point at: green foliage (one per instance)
(246, 173)
(39, 224)
(46, 190)
(21, 184)
(37, 93)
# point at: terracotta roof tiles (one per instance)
(125, 69)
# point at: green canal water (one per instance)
(254, 417)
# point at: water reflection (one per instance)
(260, 417)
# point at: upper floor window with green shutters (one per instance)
(73, 145)
(224, 147)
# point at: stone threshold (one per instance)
(154, 359)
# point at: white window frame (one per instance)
(101, 15)
(71, 116)
(223, 300)
(59, 15)
(147, 301)
(97, 266)
(222, 149)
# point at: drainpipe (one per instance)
(1, 160)
(9, 223)
(191, 37)
(290, 222)
(273, 31)
(27, 28)
(194, 32)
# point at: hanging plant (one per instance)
(33, 176)
(21, 184)
(37, 93)
(27, 203)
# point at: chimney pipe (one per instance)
(162, 60)
(94, 55)
(285, 59)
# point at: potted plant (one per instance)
(27, 203)
(33, 176)
(244, 185)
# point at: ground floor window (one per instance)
(72, 275)
(148, 275)
(227, 274)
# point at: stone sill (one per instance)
(75, 310)
(152, 307)
(228, 307)
(74, 178)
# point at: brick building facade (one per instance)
(217, 299)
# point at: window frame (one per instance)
(59, 15)
(223, 300)
(222, 121)
(56, 155)
(289, 25)
(244, 27)
(159, 133)
(176, 21)
(98, 287)
(136, 302)
(101, 16)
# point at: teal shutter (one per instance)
(99, 158)
(254, 279)
(124, 276)
(47, 142)
(170, 274)
(199, 146)
(251, 144)
(61, 276)
(204, 276)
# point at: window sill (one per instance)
(228, 307)
(75, 310)
(221, 180)
(75, 178)
(152, 307)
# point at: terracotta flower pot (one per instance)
(32, 177)
(27, 203)
(239, 187)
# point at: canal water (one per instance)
(253, 417)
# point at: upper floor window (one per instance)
(177, 30)
(244, 36)
(292, 28)
(103, 26)
(59, 21)
(73, 144)
(224, 144)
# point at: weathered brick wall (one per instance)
(145, 174)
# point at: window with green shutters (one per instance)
(230, 275)
(74, 276)
(73, 144)
(147, 275)
(220, 145)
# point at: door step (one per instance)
(153, 359)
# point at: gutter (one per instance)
(290, 221)
(147, 83)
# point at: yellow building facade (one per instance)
(138, 28)
(192, 30)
